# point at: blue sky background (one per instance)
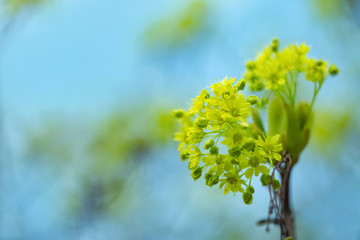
(85, 59)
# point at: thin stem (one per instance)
(288, 88)
(316, 91)
(295, 88)
(294, 82)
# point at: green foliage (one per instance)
(52, 140)
(276, 116)
(180, 27)
(329, 8)
(330, 130)
(112, 149)
(16, 5)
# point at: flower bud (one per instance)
(244, 125)
(184, 155)
(195, 134)
(333, 70)
(276, 184)
(201, 122)
(263, 102)
(319, 63)
(250, 146)
(207, 177)
(234, 161)
(254, 161)
(226, 95)
(250, 189)
(247, 198)
(275, 45)
(241, 84)
(214, 150)
(258, 86)
(213, 180)
(178, 113)
(252, 99)
(265, 179)
(205, 94)
(250, 65)
(218, 160)
(208, 144)
(235, 151)
(196, 173)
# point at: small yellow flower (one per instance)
(270, 147)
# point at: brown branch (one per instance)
(280, 200)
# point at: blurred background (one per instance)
(86, 91)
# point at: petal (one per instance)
(227, 189)
(239, 188)
(277, 156)
(249, 172)
(263, 169)
(277, 147)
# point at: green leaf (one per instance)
(305, 114)
(293, 133)
(276, 117)
(255, 115)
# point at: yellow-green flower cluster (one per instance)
(219, 141)
(277, 70)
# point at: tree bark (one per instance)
(288, 218)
